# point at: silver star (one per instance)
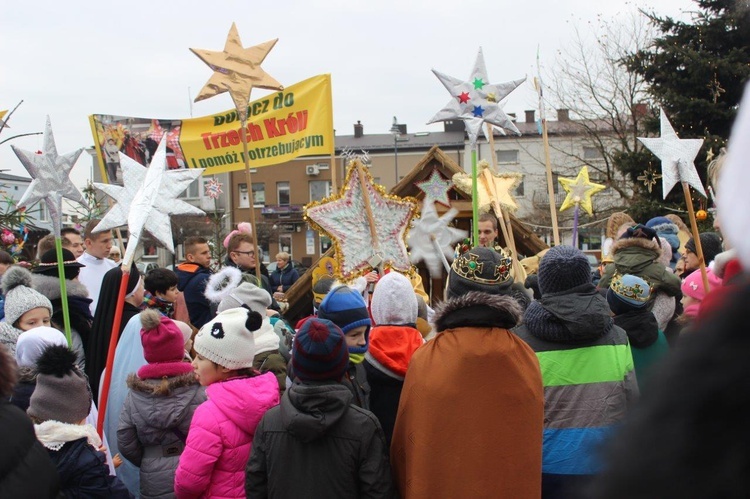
(677, 157)
(431, 238)
(50, 175)
(476, 101)
(147, 198)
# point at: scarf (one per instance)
(54, 434)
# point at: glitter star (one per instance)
(463, 98)
(435, 187)
(237, 70)
(677, 157)
(491, 186)
(580, 190)
(147, 198)
(485, 96)
(50, 174)
(344, 219)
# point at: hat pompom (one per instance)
(56, 360)
(150, 319)
(254, 320)
(14, 277)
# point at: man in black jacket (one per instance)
(316, 443)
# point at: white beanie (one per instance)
(394, 301)
(19, 296)
(33, 342)
(228, 339)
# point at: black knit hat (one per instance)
(710, 243)
(640, 230)
(320, 352)
(48, 264)
(563, 268)
(480, 269)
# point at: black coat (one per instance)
(84, 472)
(25, 467)
(385, 392)
(317, 444)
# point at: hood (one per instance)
(475, 309)
(244, 400)
(165, 405)
(50, 287)
(266, 339)
(391, 348)
(187, 271)
(309, 411)
(633, 255)
(577, 316)
(641, 327)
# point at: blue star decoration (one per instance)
(476, 102)
(436, 188)
(147, 198)
(50, 175)
(344, 219)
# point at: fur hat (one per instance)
(710, 243)
(33, 342)
(480, 269)
(693, 287)
(48, 264)
(615, 221)
(394, 301)
(222, 283)
(163, 347)
(627, 293)
(19, 296)
(319, 352)
(255, 298)
(62, 391)
(563, 268)
(228, 340)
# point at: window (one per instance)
(193, 190)
(282, 193)
(555, 183)
(509, 156)
(592, 154)
(285, 243)
(244, 199)
(520, 189)
(259, 194)
(43, 214)
(325, 244)
(319, 189)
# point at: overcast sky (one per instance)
(72, 59)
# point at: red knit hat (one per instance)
(163, 347)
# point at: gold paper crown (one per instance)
(635, 292)
(468, 266)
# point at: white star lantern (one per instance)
(147, 199)
(50, 178)
(677, 157)
(344, 218)
(476, 101)
(431, 238)
(436, 188)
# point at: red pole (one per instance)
(114, 336)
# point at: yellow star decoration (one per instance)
(580, 190)
(237, 70)
(491, 187)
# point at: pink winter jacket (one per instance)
(221, 435)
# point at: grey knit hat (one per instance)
(19, 295)
(480, 269)
(257, 299)
(563, 268)
(62, 391)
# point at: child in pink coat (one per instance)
(221, 433)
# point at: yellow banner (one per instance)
(297, 121)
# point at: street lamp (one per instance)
(396, 132)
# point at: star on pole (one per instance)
(147, 199)
(491, 186)
(50, 175)
(580, 191)
(431, 237)
(435, 187)
(475, 101)
(677, 157)
(237, 70)
(213, 188)
(344, 219)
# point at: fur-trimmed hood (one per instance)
(50, 287)
(637, 242)
(156, 387)
(476, 309)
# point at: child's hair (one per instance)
(5, 258)
(159, 280)
(191, 243)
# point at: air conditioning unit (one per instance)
(312, 169)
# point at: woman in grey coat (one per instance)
(156, 416)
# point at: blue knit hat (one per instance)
(319, 352)
(563, 268)
(627, 293)
(346, 308)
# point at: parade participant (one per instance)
(25, 308)
(317, 432)
(475, 374)
(161, 291)
(159, 407)
(242, 254)
(193, 275)
(587, 368)
(96, 260)
(221, 433)
(72, 241)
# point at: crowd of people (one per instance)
(546, 380)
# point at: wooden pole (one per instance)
(696, 235)
(368, 208)
(474, 197)
(504, 217)
(249, 180)
(548, 166)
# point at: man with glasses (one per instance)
(241, 253)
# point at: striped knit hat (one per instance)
(319, 352)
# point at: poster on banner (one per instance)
(297, 121)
